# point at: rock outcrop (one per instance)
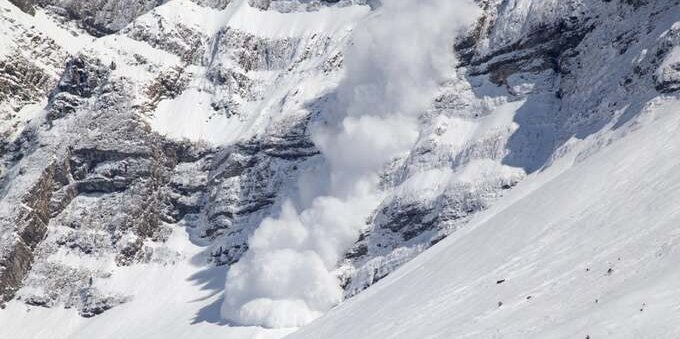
(94, 166)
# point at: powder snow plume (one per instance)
(398, 57)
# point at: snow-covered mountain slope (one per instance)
(168, 129)
(586, 248)
(205, 165)
(178, 299)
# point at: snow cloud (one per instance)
(399, 56)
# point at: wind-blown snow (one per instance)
(394, 67)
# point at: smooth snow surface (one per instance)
(588, 247)
(202, 126)
(273, 24)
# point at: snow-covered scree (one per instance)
(395, 63)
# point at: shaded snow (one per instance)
(585, 248)
(179, 300)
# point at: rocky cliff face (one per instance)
(125, 121)
(102, 194)
(552, 63)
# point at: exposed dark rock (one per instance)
(168, 85)
(177, 39)
(82, 76)
(25, 5)
(97, 17)
(21, 80)
(541, 49)
(32, 225)
(357, 251)
(299, 5)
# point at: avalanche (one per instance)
(394, 65)
(339, 169)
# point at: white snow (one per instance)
(553, 240)
(272, 24)
(189, 116)
(42, 23)
(278, 94)
(66, 39)
(187, 13)
(286, 278)
(486, 169)
(178, 300)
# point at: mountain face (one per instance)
(184, 168)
